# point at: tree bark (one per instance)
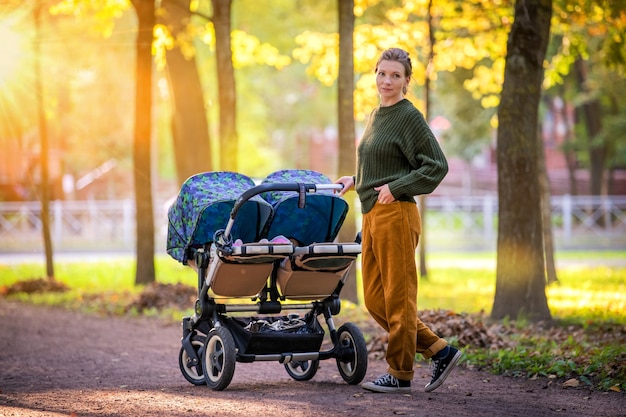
(520, 274)
(546, 212)
(229, 147)
(190, 127)
(593, 121)
(568, 151)
(345, 110)
(422, 198)
(45, 146)
(145, 272)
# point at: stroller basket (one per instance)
(269, 339)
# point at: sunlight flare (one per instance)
(13, 46)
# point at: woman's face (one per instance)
(390, 80)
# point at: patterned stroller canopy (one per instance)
(203, 206)
(320, 219)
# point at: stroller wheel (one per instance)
(352, 363)
(193, 373)
(218, 359)
(302, 370)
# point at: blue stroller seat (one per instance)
(318, 263)
(202, 208)
(318, 221)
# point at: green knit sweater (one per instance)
(398, 148)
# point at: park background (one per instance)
(70, 132)
(266, 97)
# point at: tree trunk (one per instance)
(422, 242)
(592, 114)
(45, 146)
(190, 127)
(546, 212)
(145, 272)
(422, 198)
(229, 147)
(520, 274)
(568, 150)
(347, 152)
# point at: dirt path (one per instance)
(59, 363)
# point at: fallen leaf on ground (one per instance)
(571, 383)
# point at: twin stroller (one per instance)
(273, 246)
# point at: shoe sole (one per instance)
(444, 375)
(370, 386)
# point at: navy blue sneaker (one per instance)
(442, 368)
(388, 383)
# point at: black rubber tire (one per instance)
(191, 373)
(302, 370)
(352, 371)
(218, 358)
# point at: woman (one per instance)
(398, 158)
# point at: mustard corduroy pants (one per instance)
(390, 235)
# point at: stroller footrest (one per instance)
(234, 279)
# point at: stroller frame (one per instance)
(213, 341)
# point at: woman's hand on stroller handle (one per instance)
(345, 183)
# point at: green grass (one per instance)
(588, 305)
(105, 287)
(460, 290)
(98, 276)
(587, 287)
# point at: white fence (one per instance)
(451, 223)
(578, 222)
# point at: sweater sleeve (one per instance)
(428, 162)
